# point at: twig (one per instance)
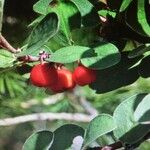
(77, 117)
(113, 146)
(51, 100)
(5, 44)
(84, 103)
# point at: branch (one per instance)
(51, 100)
(113, 146)
(85, 103)
(78, 117)
(4, 44)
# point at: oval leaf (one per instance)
(105, 55)
(99, 126)
(39, 141)
(68, 54)
(142, 112)
(45, 30)
(64, 136)
(128, 128)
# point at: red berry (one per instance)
(83, 75)
(43, 75)
(65, 81)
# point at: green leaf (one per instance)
(39, 141)
(85, 36)
(6, 59)
(45, 30)
(89, 14)
(99, 57)
(139, 51)
(124, 5)
(136, 17)
(122, 74)
(68, 54)
(41, 6)
(142, 112)
(99, 126)
(64, 136)
(128, 129)
(69, 17)
(104, 13)
(105, 55)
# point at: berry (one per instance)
(83, 75)
(65, 81)
(43, 75)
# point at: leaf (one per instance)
(99, 126)
(41, 6)
(89, 14)
(64, 136)
(128, 129)
(69, 17)
(68, 54)
(139, 51)
(104, 13)
(136, 18)
(40, 140)
(122, 74)
(105, 55)
(142, 112)
(85, 36)
(99, 57)
(6, 59)
(125, 4)
(45, 30)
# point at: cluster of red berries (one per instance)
(61, 79)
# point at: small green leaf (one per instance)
(39, 141)
(105, 55)
(41, 6)
(128, 129)
(99, 126)
(142, 112)
(64, 136)
(6, 59)
(45, 30)
(104, 13)
(125, 4)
